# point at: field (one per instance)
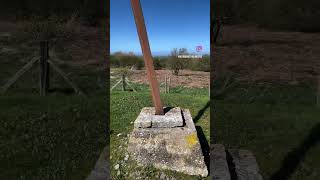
(59, 136)
(186, 78)
(269, 108)
(270, 105)
(253, 54)
(125, 107)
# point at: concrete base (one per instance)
(173, 148)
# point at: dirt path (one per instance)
(186, 78)
(257, 54)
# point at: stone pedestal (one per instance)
(147, 118)
(228, 164)
(167, 142)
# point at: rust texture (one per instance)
(144, 42)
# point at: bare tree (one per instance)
(175, 63)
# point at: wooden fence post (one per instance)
(123, 82)
(165, 84)
(318, 87)
(169, 82)
(44, 68)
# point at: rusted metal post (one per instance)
(144, 42)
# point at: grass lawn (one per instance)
(59, 136)
(125, 107)
(280, 124)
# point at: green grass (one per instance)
(125, 107)
(280, 124)
(54, 137)
(59, 136)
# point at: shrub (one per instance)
(157, 63)
(175, 64)
(123, 60)
(204, 63)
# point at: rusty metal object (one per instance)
(144, 42)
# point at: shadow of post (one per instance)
(296, 156)
(202, 138)
(201, 112)
(204, 147)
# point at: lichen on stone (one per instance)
(191, 140)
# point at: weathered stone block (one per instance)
(173, 148)
(101, 168)
(148, 119)
(246, 166)
(219, 169)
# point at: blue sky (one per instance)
(170, 24)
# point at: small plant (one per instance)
(121, 59)
(175, 65)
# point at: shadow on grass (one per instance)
(202, 138)
(297, 155)
(204, 147)
(201, 112)
(66, 91)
